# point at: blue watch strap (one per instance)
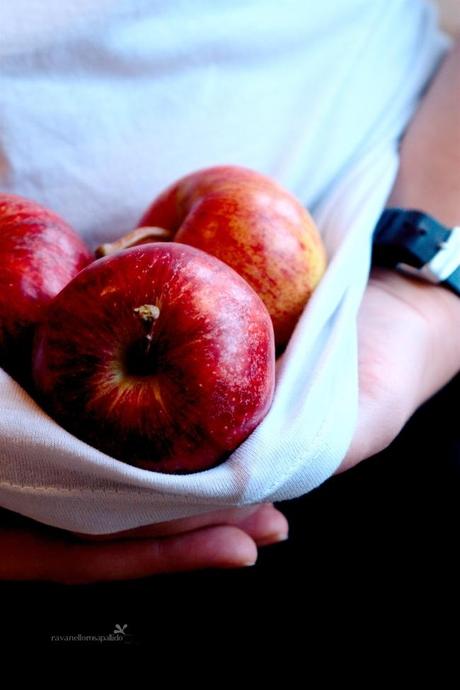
(414, 242)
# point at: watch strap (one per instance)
(452, 283)
(415, 243)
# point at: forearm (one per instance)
(429, 180)
(429, 174)
(408, 329)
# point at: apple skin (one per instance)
(255, 226)
(39, 254)
(175, 393)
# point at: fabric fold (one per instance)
(331, 135)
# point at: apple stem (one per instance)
(148, 315)
(133, 238)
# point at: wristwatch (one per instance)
(417, 244)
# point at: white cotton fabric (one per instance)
(103, 103)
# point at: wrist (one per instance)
(432, 302)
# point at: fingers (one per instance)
(267, 525)
(221, 539)
(263, 523)
(28, 555)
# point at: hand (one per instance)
(408, 350)
(407, 329)
(221, 539)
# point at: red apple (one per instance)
(39, 254)
(252, 224)
(160, 355)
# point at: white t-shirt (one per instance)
(103, 103)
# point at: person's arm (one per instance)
(408, 330)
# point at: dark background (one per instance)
(375, 546)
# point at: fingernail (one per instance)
(281, 537)
(274, 539)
